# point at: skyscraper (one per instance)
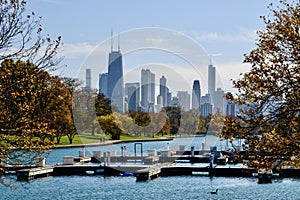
(211, 79)
(103, 83)
(147, 89)
(115, 84)
(163, 90)
(219, 101)
(230, 109)
(184, 100)
(132, 91)
(88, 79)
(206, 109)
(196, 95)
(152, 88)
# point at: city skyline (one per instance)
(229, 32)
(141, 95)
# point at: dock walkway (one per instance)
(150, 172)
(33, 173)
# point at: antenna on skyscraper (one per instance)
(111, 40)
(119, 42)
(213, 55)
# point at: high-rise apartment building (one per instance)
(147, 89)
(163, 90)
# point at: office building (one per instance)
(103, 83)
(132, 93)
(196, 94)
(115, 84)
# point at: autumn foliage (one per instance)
(270, 92)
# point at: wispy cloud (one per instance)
(240, 36)
(77, 49)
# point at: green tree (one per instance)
(102, 105)
(271, 90)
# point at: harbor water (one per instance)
(180, 187)
(176, 187)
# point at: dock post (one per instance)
(192, 151)
(124, 151)
(211, 161)
(135, 144)
(104, 159)
(108, 158)
(82, 153)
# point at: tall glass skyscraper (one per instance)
(132, 91)
(115, 83)
(196, 95)
(103, 83)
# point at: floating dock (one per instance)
(150, 172)
(34, 173)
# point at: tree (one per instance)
(271, 90)
(24, 125)
(102, 105)
(72, 85)
(59, 110)
(109, 125)
(174, 117)
(21, 36)
(84, 111)
(25, 109)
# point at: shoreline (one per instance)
(110, 142)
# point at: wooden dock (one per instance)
(142, 172)
(224, 171)
(33, 173)
(150, 172)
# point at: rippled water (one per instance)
(181, 187)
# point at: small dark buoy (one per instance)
(216, 192)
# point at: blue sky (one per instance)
(224, 28)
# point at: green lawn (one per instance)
(87, 138)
